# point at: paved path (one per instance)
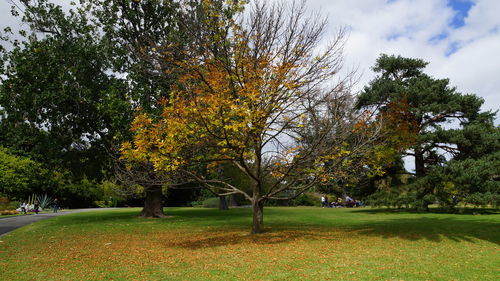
(11, 223)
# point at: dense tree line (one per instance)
(78, 79)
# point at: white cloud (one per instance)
(405, 27)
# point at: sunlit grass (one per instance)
(300, 244)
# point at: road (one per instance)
(11, 223)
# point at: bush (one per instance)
(19, 176)
(483, 199)
(6, 204)
(203, 195)
(78, 194)
(306, 199)
(111, 194)
(213, 202)
(391, 199)
(8, 212)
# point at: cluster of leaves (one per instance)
(486, 199)
(19, 176)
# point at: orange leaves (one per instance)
(400, 123)
(225, 108)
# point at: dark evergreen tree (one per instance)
(70, 86)
(432, 103)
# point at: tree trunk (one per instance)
(258, 216)
(153, 207)
(420, 172)
(419, 163)
(232, 200)
(223, 203)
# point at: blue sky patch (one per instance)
(394, 36)
(461, 9)
(452, 48)
(438, 37)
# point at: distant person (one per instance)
(323, 201)
(24, 207)
(339, 202)
(37, 207)
(55, 205)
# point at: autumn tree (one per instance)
(248, 106)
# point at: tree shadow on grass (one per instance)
(232, 228)
(457, 211)
(433, 229)
(410, 229)
(198, 216)
(216, 239)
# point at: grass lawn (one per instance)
(300, 244)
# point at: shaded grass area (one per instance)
(300, 244)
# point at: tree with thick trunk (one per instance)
(153, 204)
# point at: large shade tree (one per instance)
(430, 104)
(248, 106)
(70, 85)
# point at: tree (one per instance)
(431, 103)
(247, 107)
(475, 165)
(69, 88)
(19, 176)
(58, 102)
(153, 38)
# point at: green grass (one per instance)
(300, 244)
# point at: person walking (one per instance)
(323, 201)
(55, 205)
(37, 207)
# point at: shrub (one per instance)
(212, 202)
(392, 199)
(483, 199)
(8, 212)
(203, 195)
(306, 199)
(19, 176)
(112, 194)
(78, 194)
(44, 200)
(6, 204)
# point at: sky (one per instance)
(459, 38)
